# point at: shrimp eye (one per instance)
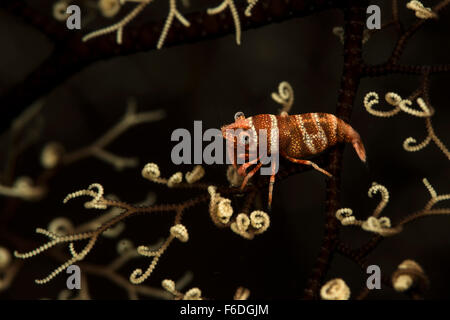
(238, 115)
(244, 138)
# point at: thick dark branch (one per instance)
(354, 25)
(72, 55)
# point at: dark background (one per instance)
(210, 81)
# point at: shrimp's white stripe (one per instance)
(252, 129)
(321, 134)
(305, 136)
(274, 134)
